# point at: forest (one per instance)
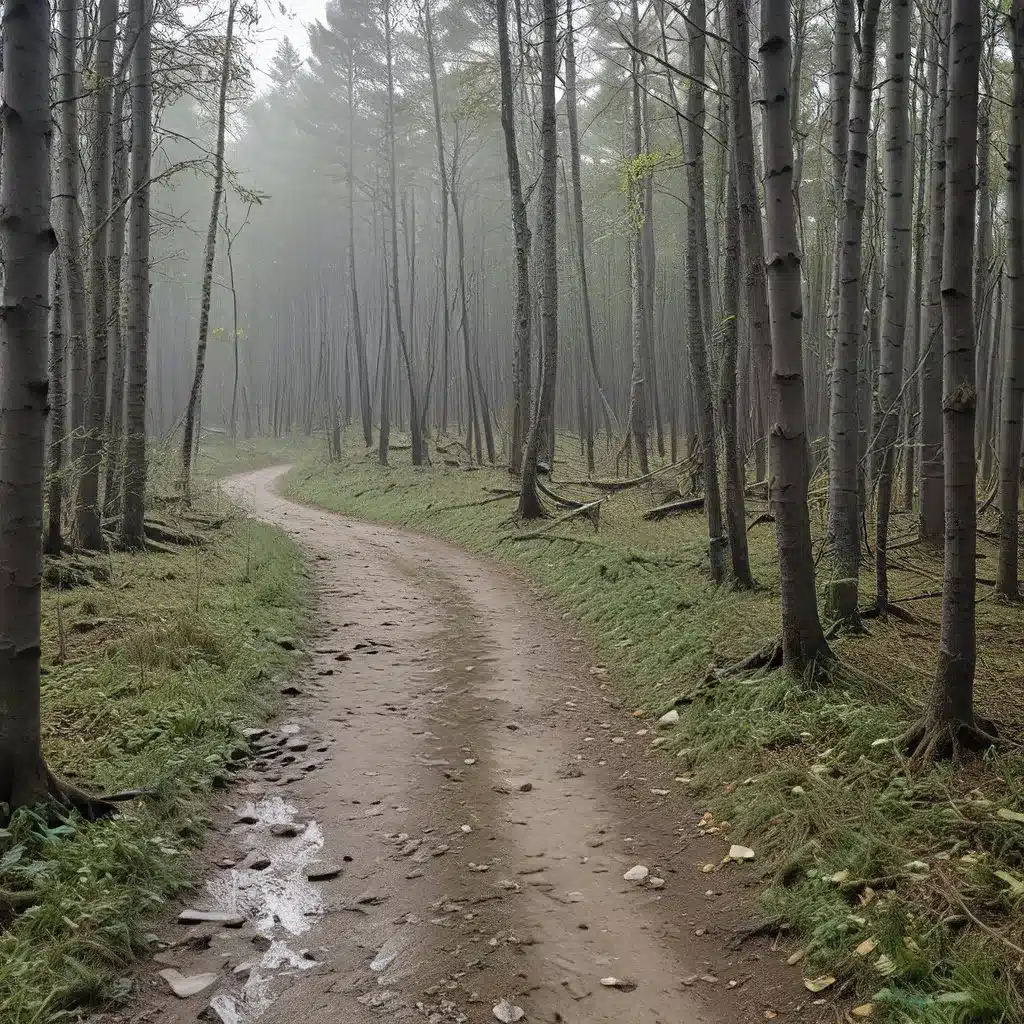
(702, 321)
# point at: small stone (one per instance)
(526, 787)
(657, 883)
(618, 739)
(261, 942)
(637, 874)
(243, 970)
(512, 726)
(467, 828)
(622, 984)
(323, 872)
(290, 691)
(298, 746)
(259, 864)
(669, 719)
(741, 853)
(252, 735)
(286, 831)
(185, 986)
(507, 1013)
(247, 819)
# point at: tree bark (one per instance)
(843, 478)
(88, 520)
(696, 25)
(931, 502)
(898, 226)
(755, 287)
(949, 723)
(1012, 410)
(195, 396)
(58, 398)
(803, 641)
(521, 229)
(133, 532)
(529, 499)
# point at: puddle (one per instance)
(279, 902)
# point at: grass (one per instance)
(854, 844)
(152, 668)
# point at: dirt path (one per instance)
(453, 753)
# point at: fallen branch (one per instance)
(619, 485)
(673, 508)
(504, 496)
(557, 498)
(764, 517)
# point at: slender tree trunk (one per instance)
(611, 423)
(899, 192)
(72, 273)
(442, 173)
(803, 641)
(844, 484)
(88, 519)
(1012, 410)
(696, 318)
(543, 426)
(931, 501)
(384, 437)
(55, 462)
(137, 304)
(755, 288)
(840, 79)
(735, 511)
(192, 412)
(115, 334)
(949, 723)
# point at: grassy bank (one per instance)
(888, 877)
(153, 663)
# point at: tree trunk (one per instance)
(949, 724)
(755, 288)
(88, 520)
(843, 479)
(542, 427)
(697, 314)
(1012, 410)
(931, 501)
(26, 241)
(803, 641)
(58, 397)
(137, 301)
(840, 79)
(384, 437)
(115, 333)
(735, 512)
(72, 274)
(611, 423)
(195, 396)
(898, 204)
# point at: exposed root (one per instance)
(768, 657)
(933, 739)
(890, 611)
(557, 498)
(673, 508)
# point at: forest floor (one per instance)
(153, 664)
(904, 886)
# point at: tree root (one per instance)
(673, 508)
(931, 739)
(890, 611)
(612, 486)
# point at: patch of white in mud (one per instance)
(277, 899)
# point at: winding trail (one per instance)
(469, 770)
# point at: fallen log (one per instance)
(673, 508)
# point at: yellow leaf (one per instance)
(841, 876)
(867, 946)
(1007, 815)
(864, 1010)
(795, 958)
(819, 984)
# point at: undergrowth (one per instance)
(887, 877)
(152, 666)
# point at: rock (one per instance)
(261, 942)
(211, 916)
(186, 986)
(669, 719)
(741, 853)
(243, 970)
(512, 726)
(575, 989)
(259, 864)
(286, 643)
(526, 787)
(637, 874)
(286, 831)
(618, 739)
(507, 1013)
(298, 746)
(657, 883)
(622, 984)
(247, 819)
(167, 959)
(252, 735)
(323, 872)
(290, 691)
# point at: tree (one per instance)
(543, 426)
(196, 394)
(26, 241)
(899, 181)
(133, 532)
(521, 229)
(843, 465)
(803, 641)
(1012, 415)
(88, 520)
(948, 725)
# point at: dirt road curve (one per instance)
(454, 754)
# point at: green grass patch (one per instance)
(151, 670)
(855, 846)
